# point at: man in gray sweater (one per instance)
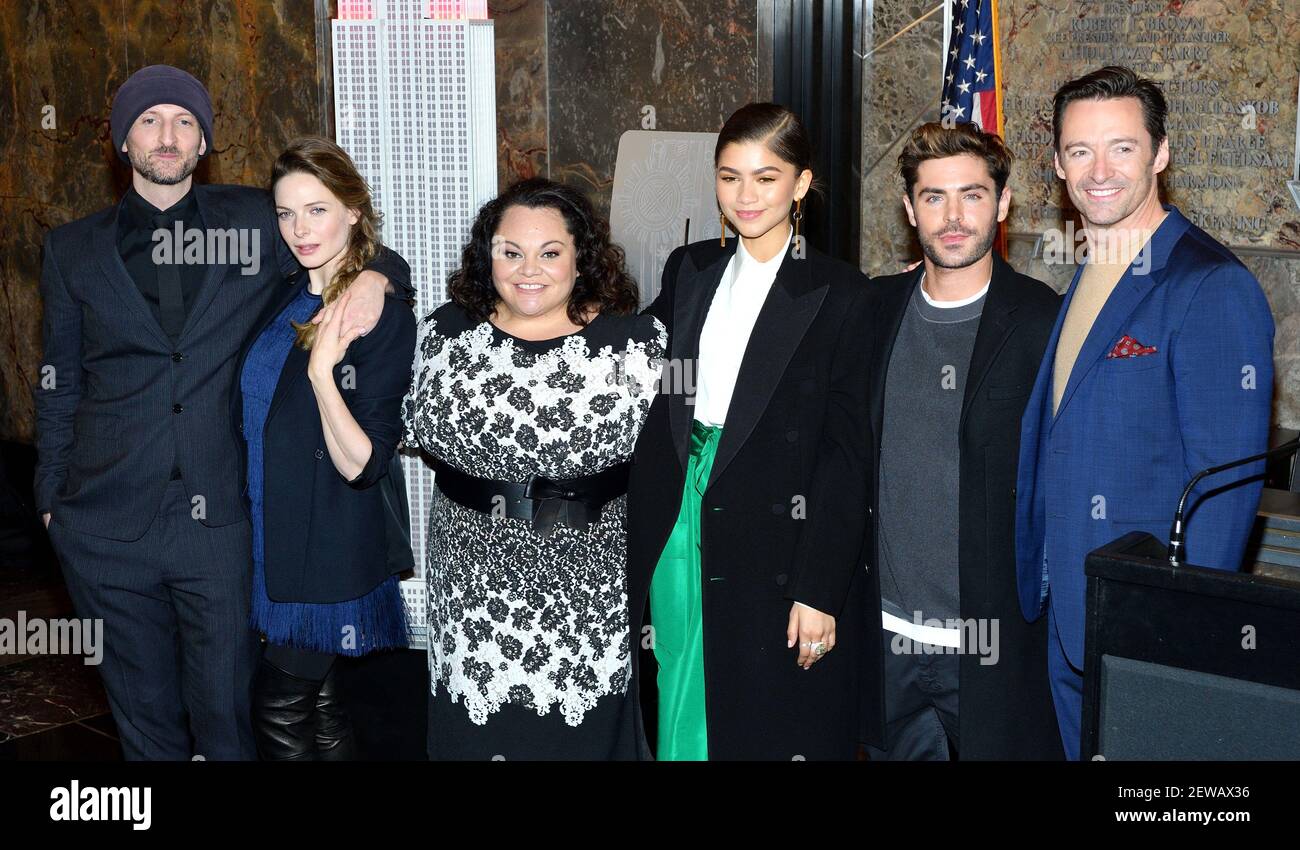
(960, 339)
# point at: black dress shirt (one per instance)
(137, 244)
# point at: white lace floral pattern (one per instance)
(515, 617)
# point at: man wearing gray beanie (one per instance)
(150, 87)
(140, 476)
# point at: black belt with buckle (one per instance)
(575, 502)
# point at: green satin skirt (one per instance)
(677, 617)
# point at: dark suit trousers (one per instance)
(921, 700)
(179, 655)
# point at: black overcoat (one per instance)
(785, 509)
(1005, 707)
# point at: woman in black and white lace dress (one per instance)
(530, 388)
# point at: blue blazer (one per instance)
(1131, 431)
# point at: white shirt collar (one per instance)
(950, 304)
(746, 262)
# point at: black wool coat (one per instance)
(1005, 708)
(795, 437)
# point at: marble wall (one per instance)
(62, 62)
(521, 77)
(902, 74)
(692, 63)
(1229, 73)
(901, 89)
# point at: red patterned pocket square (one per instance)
(1129, 347)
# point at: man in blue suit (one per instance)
(1160, 365)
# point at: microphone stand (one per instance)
(1177, 534)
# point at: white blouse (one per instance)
(727, 327)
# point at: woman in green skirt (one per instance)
(747, 508)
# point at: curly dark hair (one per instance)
(603, 280)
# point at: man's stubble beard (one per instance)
(150, 172)
(982, 247)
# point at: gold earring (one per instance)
(798, 215)
(722, 219)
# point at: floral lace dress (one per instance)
(529, 651)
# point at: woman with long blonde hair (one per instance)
(321, 419)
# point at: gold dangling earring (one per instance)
(722, 219)
(798, 215)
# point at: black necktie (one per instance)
(171, 301)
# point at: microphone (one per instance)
(1177, 534)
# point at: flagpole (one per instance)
(947, 38)
(1002, 245)
(997, 69)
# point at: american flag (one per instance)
(970, 76)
